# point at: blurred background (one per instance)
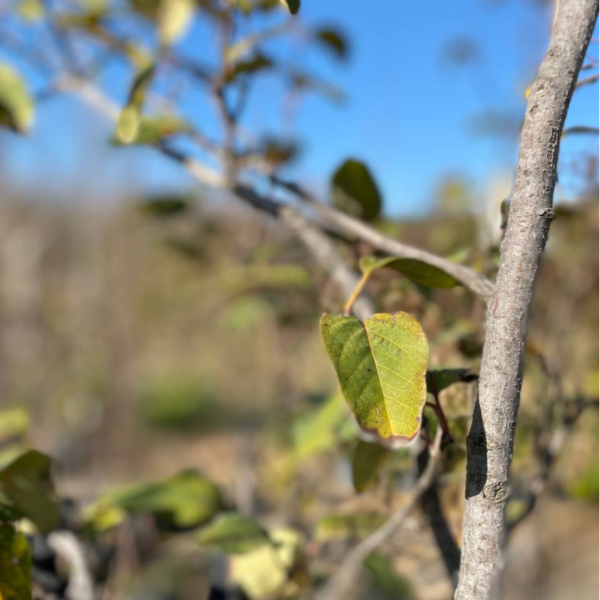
(150, 324)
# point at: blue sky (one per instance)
(407, 114)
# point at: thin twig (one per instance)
(339, 586)
(586, 81)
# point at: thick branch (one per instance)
(490, 441)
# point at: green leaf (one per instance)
(367, 459)
(333, 40)
(184, 500)
(232, 533)
(347, 526)
(174, 20)
(440, 379)
(318, 430)
(416, 270)
(258, 62)
(381, 365)
(387, 579)
(16, 103)
(31, 10)
(293, 5)
(130, 118)
(15, 565)
(14, 423)
(149, 130)
(165, 206)
(354, 190)
(25, 481)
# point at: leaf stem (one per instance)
(356, 293)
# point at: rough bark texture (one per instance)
(490, 441)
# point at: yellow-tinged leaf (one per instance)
(381, 365)
(174, 20)
(264, 572)
(16, 103)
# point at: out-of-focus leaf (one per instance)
(278, 151)
(232, 533)
(150, 130)
(130, 118)
(333, 40)
(165, 206)
(385, 577)
(174, 20)
(292, 5)
(15, 564)
(354, 190)
(416, 270)
(25, 481)
(304, 82)
(14, 423)
(148, 8)
(367, 459)
(440, 379)
(381, 365)
(347, 526)
(31, 10)
(258, 62)
(264, 572)
(16, 103)
(317, 430)
(184, 500)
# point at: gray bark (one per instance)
(490, 441)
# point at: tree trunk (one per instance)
(490, 441)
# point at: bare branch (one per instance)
(338, 587)
(586, 81)
(491, 439)
(341, 221)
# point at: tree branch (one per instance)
(490, 441)
(341, 221)
(339, 586)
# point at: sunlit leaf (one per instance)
(292, 5)
(333, 40)
(25, 481)
(16, 103)
(354, 190)
(440, 379)
(15, 565)
(31, 10)
(174, 20)
(150, 130)
(385, 577)
(265, 572)
(367, 459)
(416, 270)
(347, 526)
(381, 365)
(13, 423)
(184, 500)
(232, 533)
(130, 118)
